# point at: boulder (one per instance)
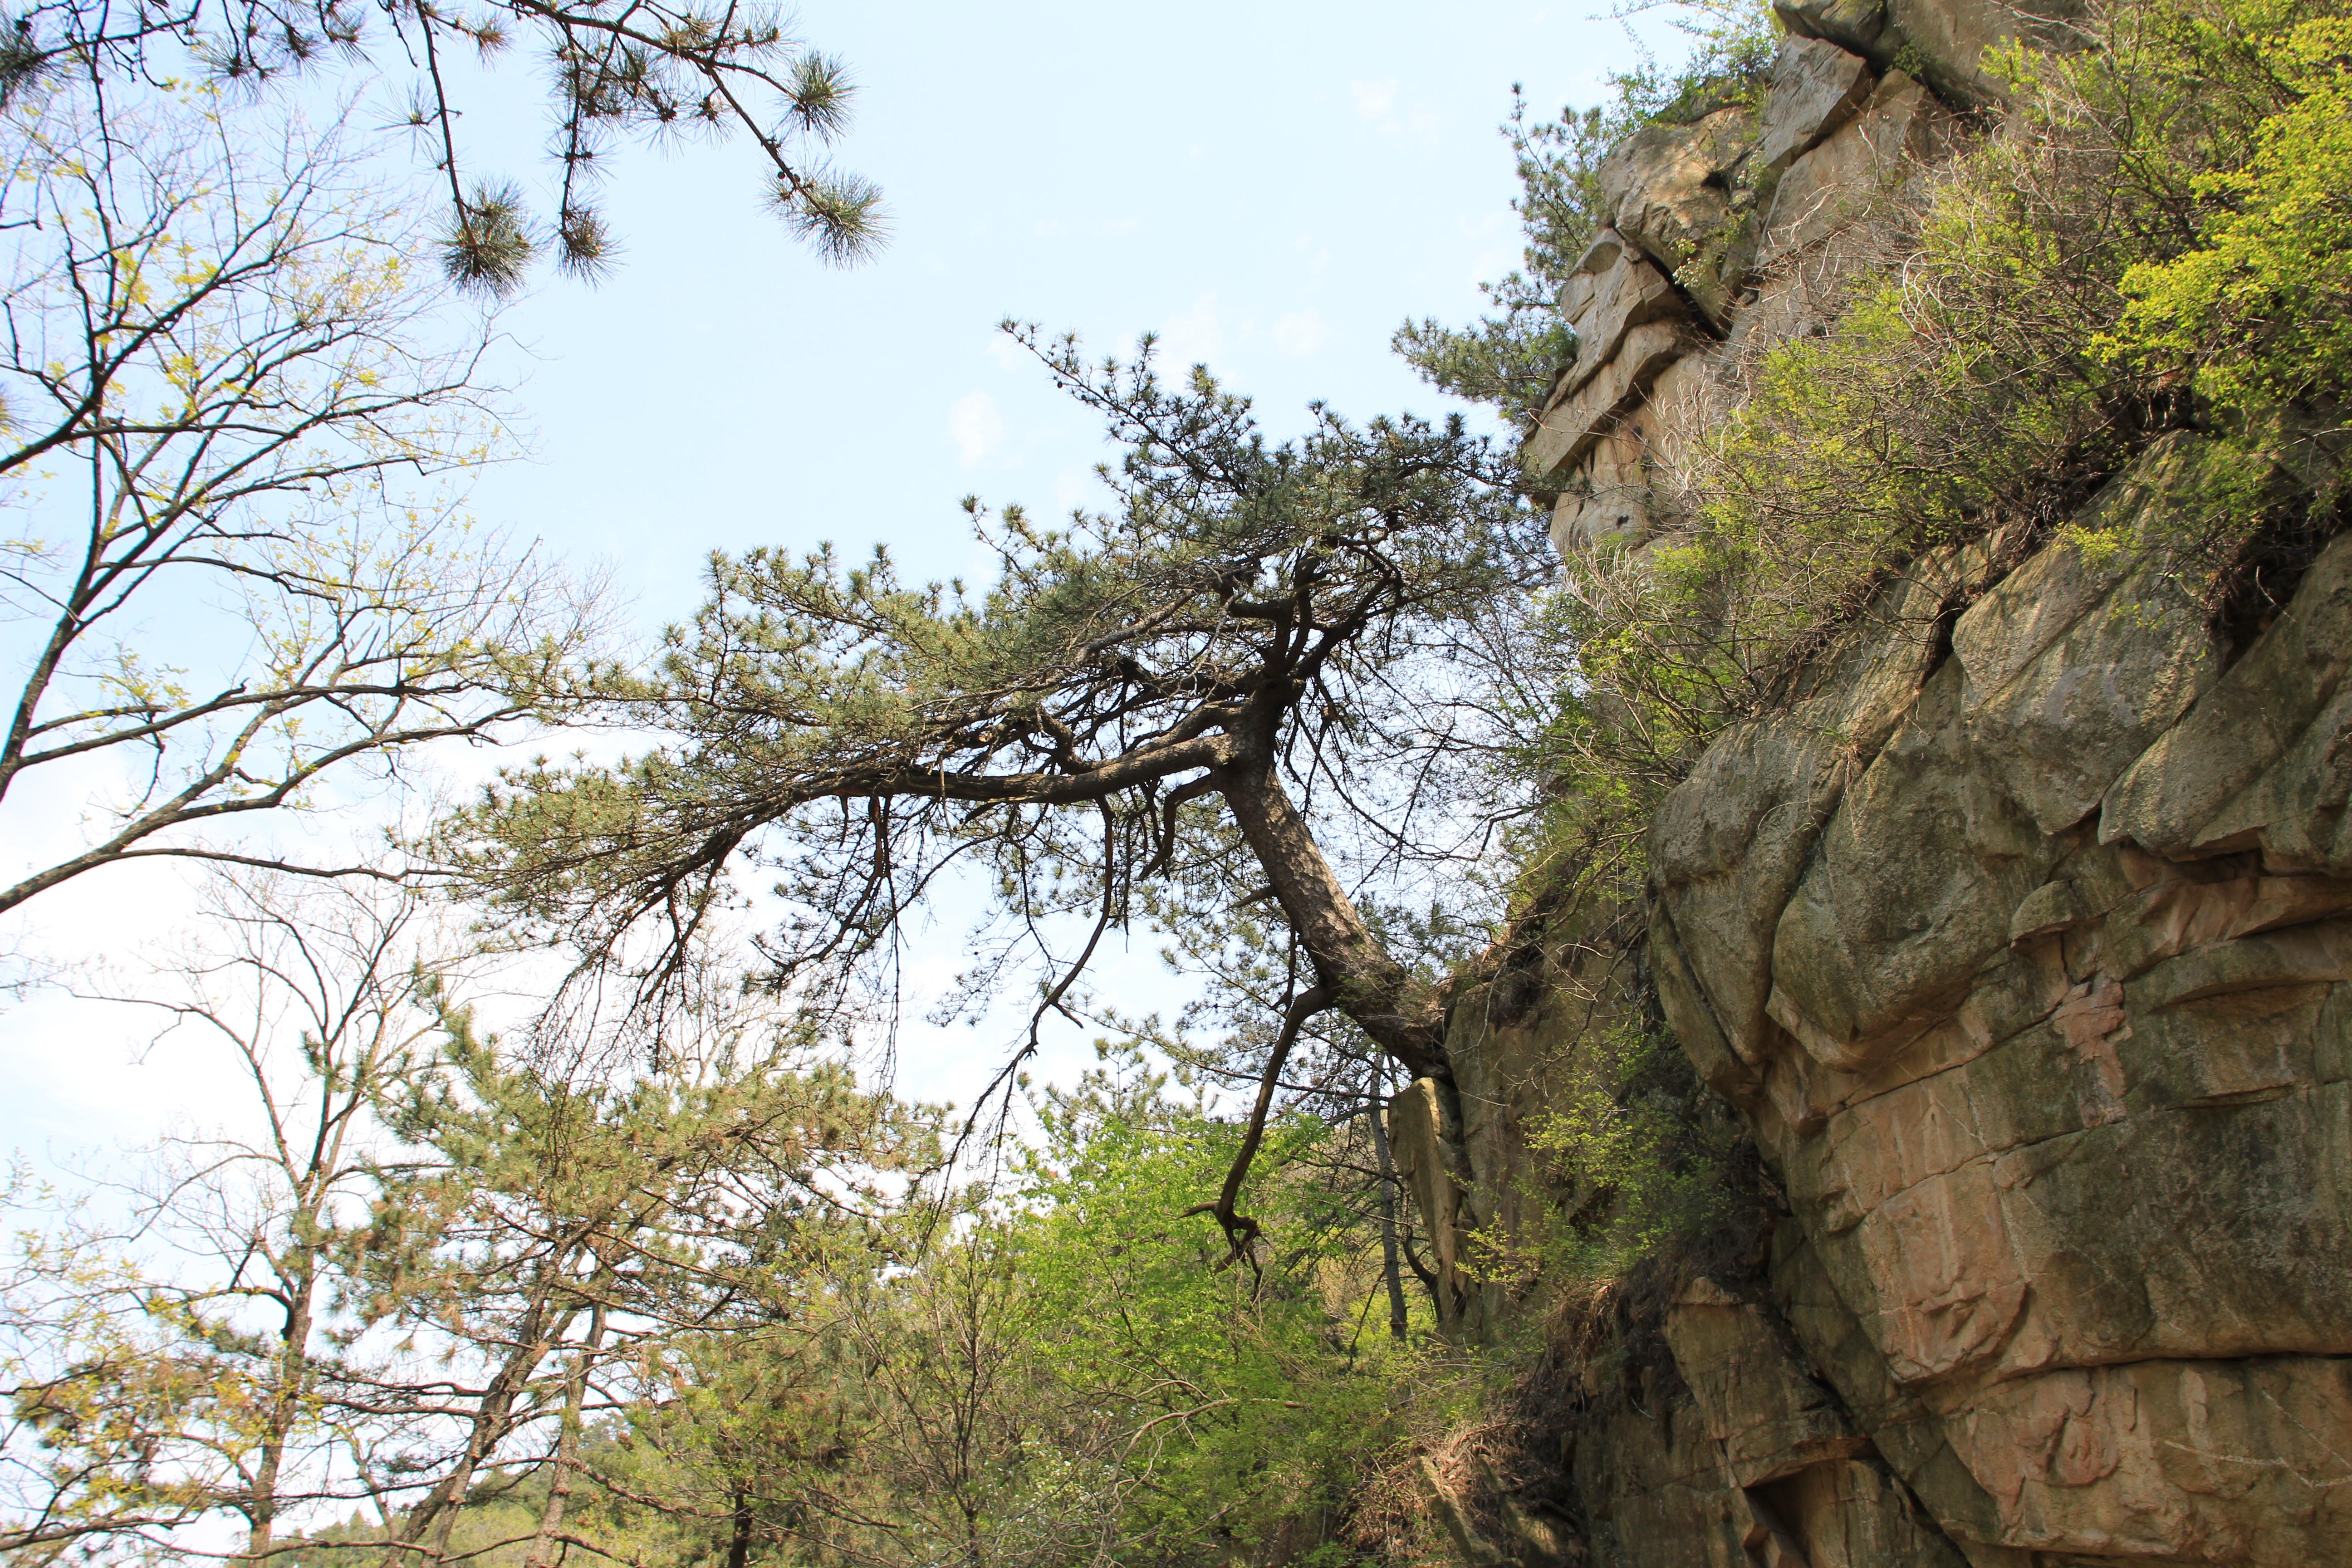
(1816, 87)
(1670, 191)
(1866, 162)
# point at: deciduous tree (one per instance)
(234, 420)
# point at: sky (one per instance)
(1270, 187)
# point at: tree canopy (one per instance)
(1147, 694)
(657, 69)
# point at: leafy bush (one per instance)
(2154, 241)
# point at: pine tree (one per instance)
(1140, 703)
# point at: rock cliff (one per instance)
(2022, 949)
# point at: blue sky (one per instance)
(1271, 187)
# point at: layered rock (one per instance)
(1727, 232)
(2052, 1064)
(2022, 947)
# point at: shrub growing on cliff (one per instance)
(2258, 311)
(2153, 241)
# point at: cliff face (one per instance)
(2023, 948)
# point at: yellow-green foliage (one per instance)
(2259, 312)
(2158, 238)
(1636, 1159)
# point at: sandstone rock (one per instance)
(1860, 26)
(1855, 171)
(1771, 1418)
(2050, 908)
(1600, 260)
(2171, 1461)
(2072, 668)
(1620, 293)
(2022, 940)
(1578, 418)
(1609, 497)
(1730, 843)
(1853, 1514)
(2258, 759)
(1690, 1013)
(1910, 891)
(2058, 1120)
(1946, 39)
(1669, 191)
(1816, 87)
(1661, 1493)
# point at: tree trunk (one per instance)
(290, 1376)
(544, 1548)
(1391, 1271)
(426, 1537)
(738, 1548)
(1365, 984)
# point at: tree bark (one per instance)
(544, 1548)
(1365, 983)
(1391, 1271)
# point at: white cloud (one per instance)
(1196, 337)
(1006, 351)
(1377, 102)
(976, 426)
(1299, 334)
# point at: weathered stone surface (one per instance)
(1815, 88)
(2021, 936)
(1731, 843)
(2173, 1461)
(2062, 1121)
(1599, 261)
(2072, 668)
(1773, 1419)
(1625, 293)
(1854, 1514)
(1946, 39)
(1949, 37)
(1609, 497)
(1669, 188)
(1856, 170)
(1578, 418)
(1660, 1494)
(1860, 26)
(2261, 759)
(1910, 891)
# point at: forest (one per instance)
(572, 1213)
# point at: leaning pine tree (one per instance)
(1152, 693)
